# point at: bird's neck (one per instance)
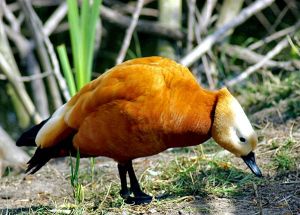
(195, 119)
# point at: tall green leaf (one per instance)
(90, 37)
(63, 57)
(76, 42)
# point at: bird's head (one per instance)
(232, 130)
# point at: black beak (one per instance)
(250, 161)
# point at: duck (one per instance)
(140, 108)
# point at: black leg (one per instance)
(124, 192)
(139, 196)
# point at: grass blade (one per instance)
(76, 173)
(65, 64)
(72, 179)
(90, 37)
(84, 25)
(73, 19)
(137, 44)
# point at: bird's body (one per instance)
(137, 109)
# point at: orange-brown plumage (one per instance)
(140, 108)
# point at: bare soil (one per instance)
(50, 187)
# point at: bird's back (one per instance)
(127, 81)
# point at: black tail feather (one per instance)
(43, 155)
(39, 159)
(28, 137)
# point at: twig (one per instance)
(142, 25)
(261, 18)
(106, 195)
(25, 50)
(29, 77)
(275, 9)
(285, 198)
(291, 182)
(61, 81)
(292, 5)
(209, 41)
(21, 92)
(291, 211)
(129, 32)
(44, 47)
(208, 68)
(203, 21)
(38, 87)
(9, 68)
(9, 152)
(206, 15)
(275, 36)
(228, 11)
(191, 24)
(253, 57)
(276, 50)
(13, 32)
(258, 198)
(130, 8)
(13, 21)
(56, 17)
(22, 44)
(45, 3)
(279, 19)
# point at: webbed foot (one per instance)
(138, 200)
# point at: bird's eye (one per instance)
(242, 139)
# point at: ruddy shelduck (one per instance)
(140, 108)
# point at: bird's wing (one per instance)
(128, 81)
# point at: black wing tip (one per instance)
(28, 137)
(25, 141)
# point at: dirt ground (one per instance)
(50, 187)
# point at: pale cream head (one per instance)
(231, 128)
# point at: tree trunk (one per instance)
(169, 16)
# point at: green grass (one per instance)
(284, 159)
(137, 52)
(78, 190)
(66, 68)
(199, 176)
(82, 35)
